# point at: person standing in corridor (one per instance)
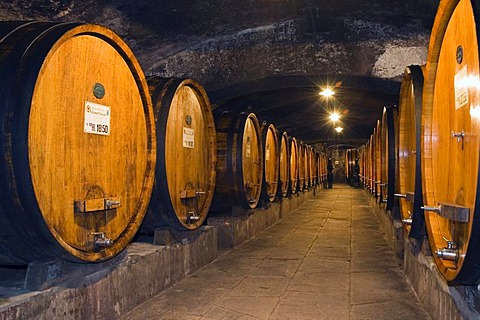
(329, 174)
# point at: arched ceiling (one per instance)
(294, 105)
(270, 57)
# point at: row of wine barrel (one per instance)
(94, 152)
(256, 163)
(351, 159)
(432, 145)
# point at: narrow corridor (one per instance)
(325, 260)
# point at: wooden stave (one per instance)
(319, 168)
(347, 165)
(272, 167)
(229, 184)
(371, 178)
(465, 270)
(306, 160)
(294, 165)
(301, 166)
(284, 167)
(308, 163)
(368, 165)
(372, 163)
(364, 167)
(163, 211)
(388, 147)
(410, 180)
(378, 161)
(42, 242)
(361, 163)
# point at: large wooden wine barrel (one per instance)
(323, 168)
(347, 151)
(311, 163)
(378, 160)
(351, 158)
(306, 161)
(320, 168)
(284, 166)
(450, 141)
(371, 163)
(294, 167)
(301, 166)
(186, 155)
(388, 156)
(239, 162)
(308, 168)
(409, 174)
(365, 164)
(78, 143)
(314, 166)
(361, 163)
(271, 156)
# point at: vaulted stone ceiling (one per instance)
(270, 57)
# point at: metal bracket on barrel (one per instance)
(91, 205)
(450, 211)
(409, 196)
(192, 193)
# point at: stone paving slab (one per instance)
(325, 260)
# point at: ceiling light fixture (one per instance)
(327, 92)
(334, 117)
(339, 129)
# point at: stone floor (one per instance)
(325, 260)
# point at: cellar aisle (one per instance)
(326, 260)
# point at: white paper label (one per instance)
(461, 88)
(188, 138)
(97, 119)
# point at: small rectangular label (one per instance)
(461, 88)
(248, 150)
(97, 119)
(188, 138)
